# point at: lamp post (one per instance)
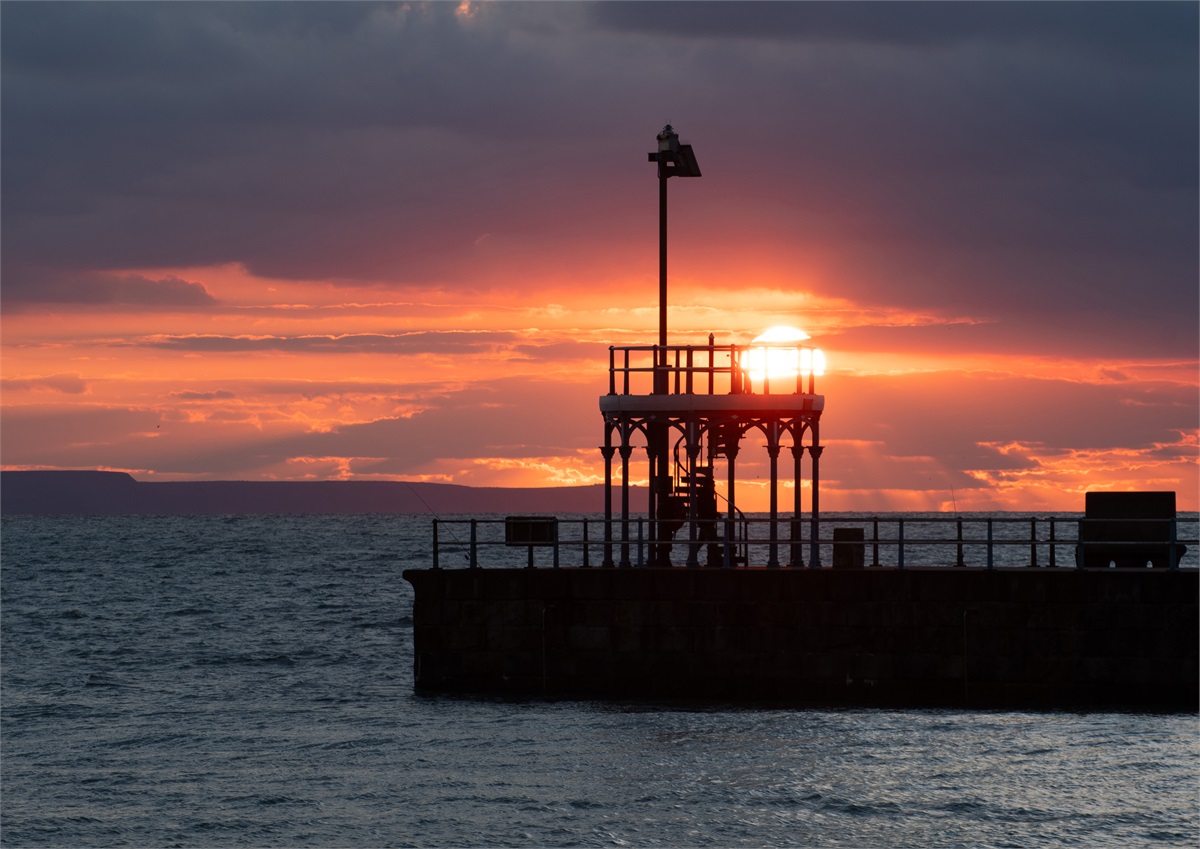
(674, 160)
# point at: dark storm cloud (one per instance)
(159, 134)
(1147, 31)
(962, 156)
(24, 287)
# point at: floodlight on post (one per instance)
(674, 160)
(668, 140)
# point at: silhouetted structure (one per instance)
(704, 397)
(852, 634)
(1128, 529)
(709, 402)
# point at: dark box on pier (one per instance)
(530, 530)
(1128, 529)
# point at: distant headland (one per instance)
(94, 493)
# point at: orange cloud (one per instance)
(301, 380)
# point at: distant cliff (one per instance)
(87, 493)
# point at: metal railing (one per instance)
(710, 369)
(887, 542)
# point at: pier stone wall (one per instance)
(914, 637)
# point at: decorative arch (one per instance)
(696, 437)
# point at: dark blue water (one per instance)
(246, 681)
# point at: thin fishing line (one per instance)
(450, 528)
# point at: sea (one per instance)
(247, 681)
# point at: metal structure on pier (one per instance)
(687, 406)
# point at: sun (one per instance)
(782, 333)
(782, 358)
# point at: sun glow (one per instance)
(782, 358)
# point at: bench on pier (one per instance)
(1128, 529)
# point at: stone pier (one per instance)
(1029, 638)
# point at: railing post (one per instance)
(436, 563)
(1033, 543)
(711, 364)
(640, 545)
(900, 545)
(875, 544)
(796, 549)
(693, 556)
(612, 370)
(474, 561)
(959, 561)
(1053, 555)
(586, 564)
(990, 560)
(1172, 559)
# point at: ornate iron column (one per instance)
(608, 451)
(773, 452)
(814, 451)
(626, 450)
(797, 548)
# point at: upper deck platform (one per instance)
(763, 378)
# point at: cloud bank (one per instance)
(953, 195)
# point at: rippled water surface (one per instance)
(246, 681)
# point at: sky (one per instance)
(394, 241)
